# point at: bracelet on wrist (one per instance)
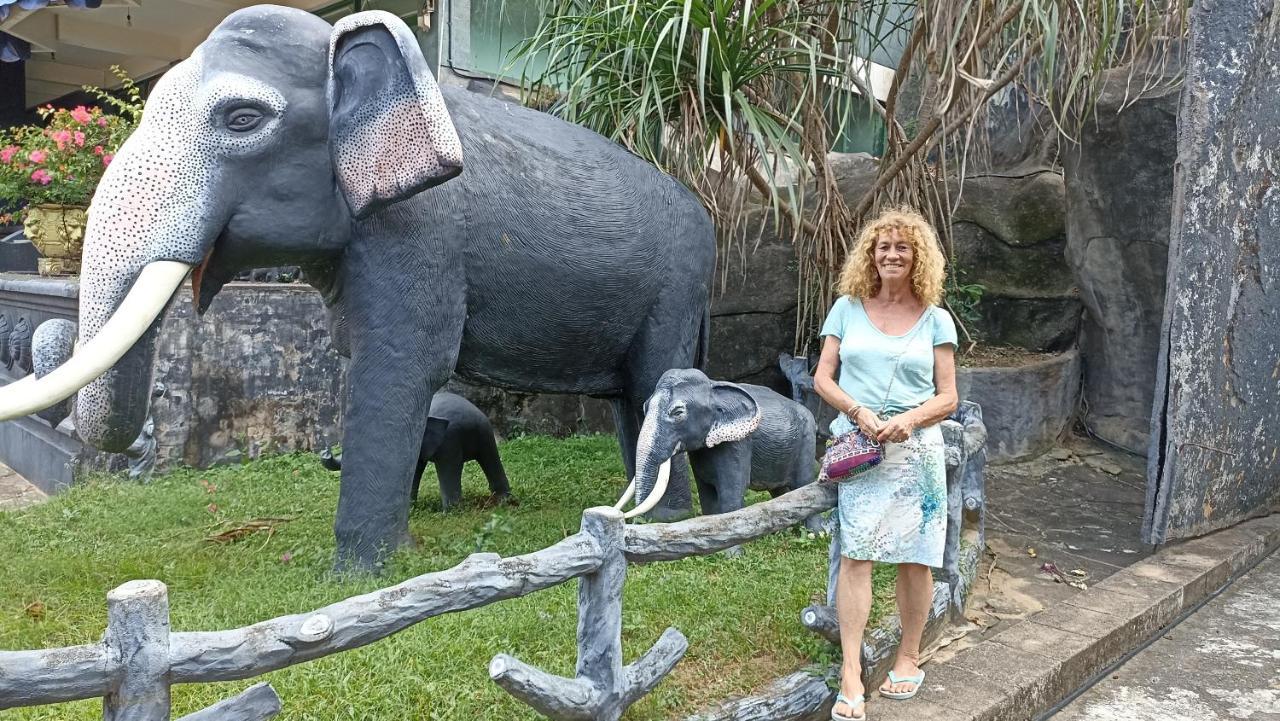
(853, 411)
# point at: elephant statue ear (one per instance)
(737, 414)
(434, 436)
(389, 131)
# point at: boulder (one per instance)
(1119, 181)
(753, 306)
(1009, 235)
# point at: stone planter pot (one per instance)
(1025, 408)
(57, 231)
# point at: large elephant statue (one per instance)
(737, 436)
(557, 262)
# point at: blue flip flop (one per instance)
(854, 704)
(918, 680)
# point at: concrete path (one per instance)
(15, 492)
(1077, 509)
(1025, 669)
(1223, 662)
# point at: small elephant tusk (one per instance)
(626, 496)
(655, 496)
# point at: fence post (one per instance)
(138, 634)
(602, 688)
(600, 608)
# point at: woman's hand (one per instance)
(867, 422)
(896, 429)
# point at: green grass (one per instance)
(60, 558)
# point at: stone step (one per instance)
(44, 456)
(16, 492)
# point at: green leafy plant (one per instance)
(62, 161)
(964, 300)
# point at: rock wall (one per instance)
(1009, 234)
(1215, 456)
(1119, 181)
(254, 375)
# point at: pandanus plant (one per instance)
(743, 99)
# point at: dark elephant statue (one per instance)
(557, 262)
(737, 436)
(457, 432)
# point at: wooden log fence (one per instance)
(139, 659)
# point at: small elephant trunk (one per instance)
(650, 455)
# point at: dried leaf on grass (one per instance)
(248, 528)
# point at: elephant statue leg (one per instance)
(726, 469)
(417, 478)
(708, 497)
(491, 464)
(398, 362)
(626, 421)
(449, 471)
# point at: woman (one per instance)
(888, 365)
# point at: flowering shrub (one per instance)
(62, 161)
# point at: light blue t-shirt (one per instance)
(868, 357)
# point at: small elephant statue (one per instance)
(457, 432)
(736, 435)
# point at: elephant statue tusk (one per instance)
(655, 496)
(626, 496)
(139, 309)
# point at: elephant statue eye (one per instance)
(678, 412)
(243, 120)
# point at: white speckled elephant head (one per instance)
(687, 412)
(274, 110)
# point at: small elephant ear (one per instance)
(737, 414)
(389, 131)
(434, 436)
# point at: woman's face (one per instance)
(893, 256)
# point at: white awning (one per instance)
(71, 48)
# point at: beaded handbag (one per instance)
(851, 454)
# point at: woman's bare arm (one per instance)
(828, 388)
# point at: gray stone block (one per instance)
(1025, 409)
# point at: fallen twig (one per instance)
(248, 528)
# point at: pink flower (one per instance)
(42, 176)
(81, 115)
(102, 122)
(106, 159)
(97, 150)
(37, 156)
(79, 137)
(7, 154)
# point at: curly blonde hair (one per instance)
(860, 279)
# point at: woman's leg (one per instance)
(915, 595)
(853, 604)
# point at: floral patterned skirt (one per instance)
(897, 511)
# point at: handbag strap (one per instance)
(898, 361)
